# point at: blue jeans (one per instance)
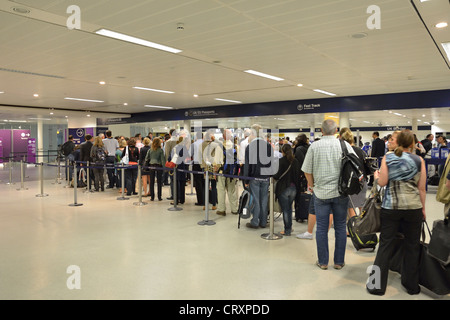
(259, 191)
(286, 199)
(324, 207)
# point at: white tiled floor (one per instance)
(147, 252)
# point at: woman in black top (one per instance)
(145, 173)
(131, 173)
(288, 183)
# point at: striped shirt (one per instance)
(323, 161)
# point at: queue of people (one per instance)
(297, 168)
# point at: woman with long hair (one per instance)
(131, 173)
(155, 158)
(403, 208)
(98, 156)
(288, 183)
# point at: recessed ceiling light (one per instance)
(21, 10)
(84, 100)
(300, 85)
(226, 100)
(157, 107)
(195, 95)
(142, 42)
(35, 95)
(102, 83)
(325, 92)
(155, 90)
(2, 92)
(441, 25)
(125, 104)
(264, 75)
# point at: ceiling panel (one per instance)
(308, 42)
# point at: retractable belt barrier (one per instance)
(77, 165)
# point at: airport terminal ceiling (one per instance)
(65, 54)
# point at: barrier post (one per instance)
(58, 172)
(10, 164)
(75, 187)
(271, 235)
(192, 182)
(22, 177)
(122, 173)
(41, 181)
(140, 202)
(175, 192)
(206, 222)
(68, 174)
(88, 179)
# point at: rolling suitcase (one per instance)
(302, 203)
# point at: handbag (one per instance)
(369, 222)
(276, 203)
(439, 246)
(126, 158)
(432, 274)
(443, 194)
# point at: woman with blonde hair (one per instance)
(98, 156)
(356, 200)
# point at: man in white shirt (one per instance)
(111, 145)
(322, 167)
(227, 185)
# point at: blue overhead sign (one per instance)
(409, 100)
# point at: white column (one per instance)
(344, 120)
(415, 127)
(40, 141)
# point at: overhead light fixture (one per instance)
(300, 85)
(102, 83)
(43, 119)
(441, 25)
(142, 42)
(36, 95)
(226, 100)
(157, 107)
(155, 90)
(325, 92)
(264, 75)
(84, 100)
(446, 46)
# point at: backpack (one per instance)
(233, 167)
(245, 206)
(99, 156)
(351, 179)
(67, 148)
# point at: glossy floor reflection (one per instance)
(125, 251)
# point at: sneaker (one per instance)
(306, 235)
